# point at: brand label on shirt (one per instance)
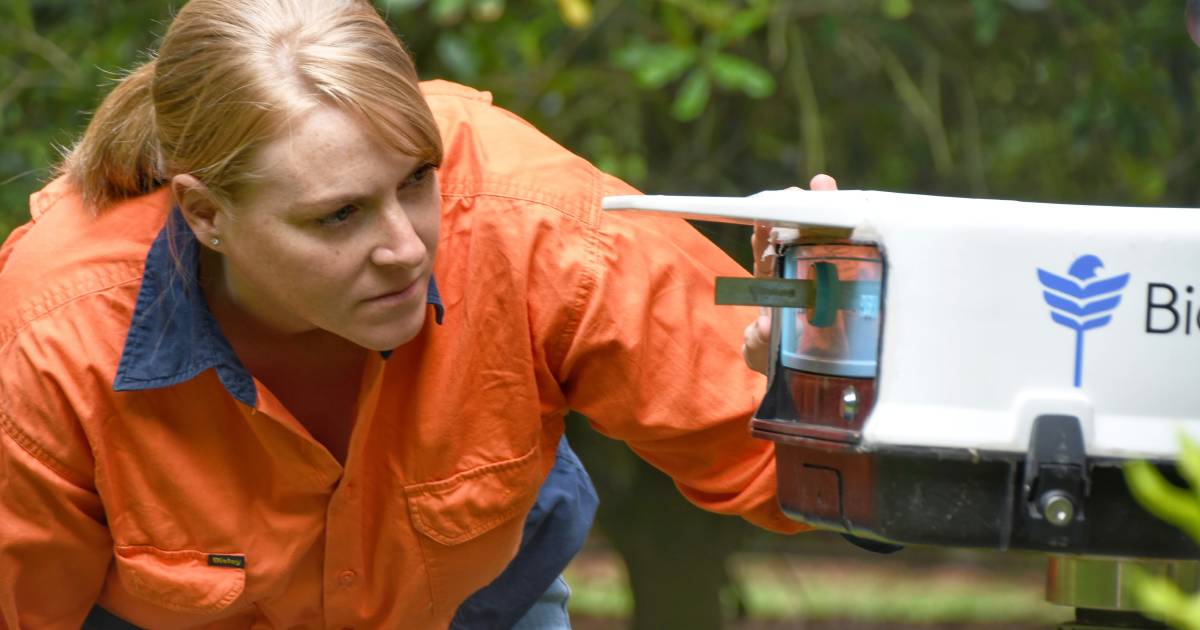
(222, 560)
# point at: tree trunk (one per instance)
(674, 552)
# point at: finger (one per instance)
(756, 346)
(762, 235)
(764, 263)
(764, 323)
(750, 362)
(823, 182)
(748, 336)
(759, 244)
(758, 333)
(753, 356)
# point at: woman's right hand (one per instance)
(756, 345)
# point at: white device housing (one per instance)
(969, 353)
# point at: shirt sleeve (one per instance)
(54, 544)
(655, 363)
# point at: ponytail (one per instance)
(119, 155)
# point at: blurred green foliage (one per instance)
(57, 57)
(1157, 595)
(1062, 101)
(1056, 100)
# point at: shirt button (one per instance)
(346, 578)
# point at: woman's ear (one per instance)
(200, 209)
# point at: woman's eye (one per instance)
(418, 176)
(338, 217)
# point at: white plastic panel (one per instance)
(970, 352)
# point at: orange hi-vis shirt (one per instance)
(178, 504)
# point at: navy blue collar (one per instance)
(173, 336)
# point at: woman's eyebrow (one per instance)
(333, 200)
(338, 199)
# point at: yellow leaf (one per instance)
(576, 13)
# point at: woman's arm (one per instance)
(655, 363)
(54, 543)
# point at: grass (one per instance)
(794, 587)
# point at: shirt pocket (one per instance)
(186, 581)
(470, 525)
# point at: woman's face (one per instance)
(338, 234)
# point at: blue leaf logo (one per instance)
(1081, 300)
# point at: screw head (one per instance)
(849, 404)
(1057, 508)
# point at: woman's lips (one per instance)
(396, 297)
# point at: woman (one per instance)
(225, 401)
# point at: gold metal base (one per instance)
(1102, 583)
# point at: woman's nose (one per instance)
(400, 243)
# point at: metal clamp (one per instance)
(1056, 482)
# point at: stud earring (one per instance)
(214, 241)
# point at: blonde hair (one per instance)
(228, 76)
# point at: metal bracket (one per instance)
(1056, 482)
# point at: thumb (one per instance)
(763, 324)
(823, 182)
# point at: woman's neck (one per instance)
(263, 346)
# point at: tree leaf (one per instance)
(654, 65)
(1029, 5)
(736, 73)
(987, 20)
(676, 25)
(447, 12)
(575, 13)
(487, 10)
(692, 96)
(711, 14)
(631, 55)
(1162, 498)
(1159, 598)
(402, 5)
(743, 23)
(20, 13)
(1189, 463)
(456, 55)
(897, 9)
